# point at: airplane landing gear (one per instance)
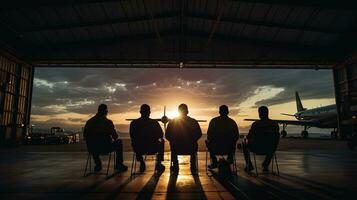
(304, 133)
(283, 133)
(334, 134)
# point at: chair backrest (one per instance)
(222, 146)
(183, 149)
(147, 148)
(265, 143)
(99, 143)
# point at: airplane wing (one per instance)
(129, 119)
(202, 120)
(290, 122)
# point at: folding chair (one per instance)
(185, 154)
(134, 161)
(273, 161)
(264, 144)
(222, 152)
(89, 163)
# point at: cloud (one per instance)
(80, 91)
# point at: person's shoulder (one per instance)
(272, 122)
(214, 119)
(108, 120)
(192, 119)
(231, 120)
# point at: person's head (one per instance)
(263, 112)
(145, 110)
(223, 110)
(183, 109)
(102, 109)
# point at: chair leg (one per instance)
(85, 169)
(206, 161)
(272, 165)
(277, 166)
(255, 163)
(109, 159)
(197, 163)
(133, 162)
(235, 164)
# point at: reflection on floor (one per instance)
(304, 175)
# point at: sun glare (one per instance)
(172, 114)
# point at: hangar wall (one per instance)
(345, 79)
(16, 79)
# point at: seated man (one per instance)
(263, 138)
(147, 136)
(101, 138)
(222, 135)
(183, 133)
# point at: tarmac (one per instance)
(304, 174)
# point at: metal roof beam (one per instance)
(176, 33)
(177, 14)
(100, 22)
(264, 23)
(331, 4)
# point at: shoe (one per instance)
(142, 166)
(249, 168)
(213, 166)
(97, 168)
(121, 168)
(160, 168)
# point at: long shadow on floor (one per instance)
(196, 191)
(268, 186)
(149, 188)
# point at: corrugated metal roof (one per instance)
(173, 31)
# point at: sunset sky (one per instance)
(67, 97)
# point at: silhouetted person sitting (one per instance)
(147, 137)
(101, 138)
(263, 139)
(222, 136)
(183, 133)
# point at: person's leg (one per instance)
(97, 161)
(230, 158)
(160, 157)
(248, 162)
(267, 161)
(212, 155)
(139, 157)
(161, 150)
(118, 148)
(175, 167)
(193, 161)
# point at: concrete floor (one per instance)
(58, 175)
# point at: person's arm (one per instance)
(158, 130)
(169, 131)
(210, 131)
(198, 131)
(235, 131)
(132, 131)
(85, 131)
(112, 131)
(252, 131)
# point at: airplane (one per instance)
(164, 119)
(322, 117)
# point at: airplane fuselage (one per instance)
(323, 117)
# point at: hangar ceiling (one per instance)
(180, 33)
